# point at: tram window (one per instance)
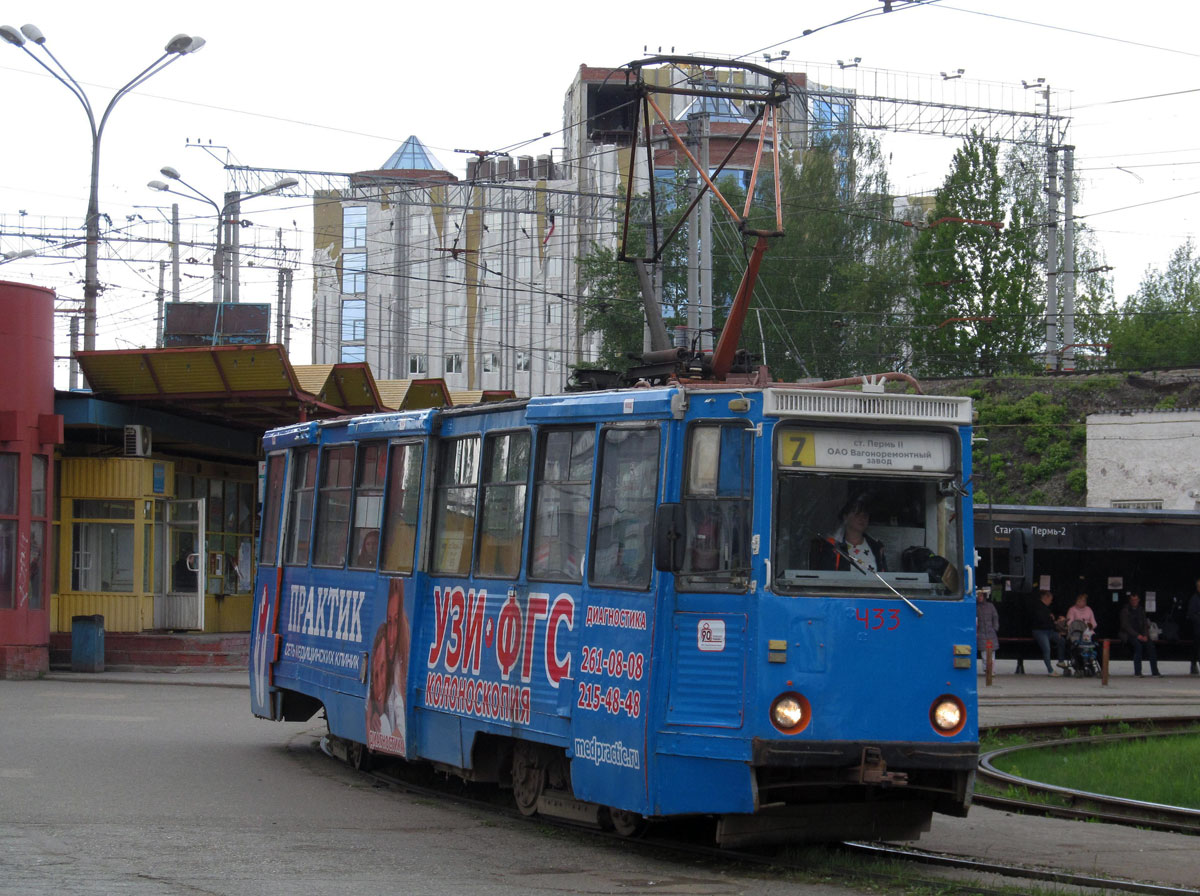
(333, 506)
(403, 505)
(502, 508)
(864, 533)
(717, 508)
(624, 517)
(562, 490)
(272, 507)
(369, 477)
(454, 506)
(300, 508)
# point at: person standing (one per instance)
(987, 623)
(1193, 617)
(1045, 631)
(1135, 631)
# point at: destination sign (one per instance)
(843, 449)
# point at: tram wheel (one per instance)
(622, 822)
(358, 756)
(528, 778)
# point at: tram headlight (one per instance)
(948, 715)
(791, 713)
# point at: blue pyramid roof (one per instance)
(413, 156)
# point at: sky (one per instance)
(338, 87)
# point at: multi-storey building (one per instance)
(421, 274)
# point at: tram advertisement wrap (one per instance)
(610, 705)
(491, 658)
(387, 690)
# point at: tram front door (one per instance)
(179, 594)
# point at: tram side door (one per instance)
(179, 594)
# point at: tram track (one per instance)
(681, 839)
(1074, 804)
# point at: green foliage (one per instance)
(1037, 408)
(613, 306)
(977, 306)
(1162, 770)
(1159, 325)
(1166, 403)
(831, 288)
(1077, 481)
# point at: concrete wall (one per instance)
(1144, 456)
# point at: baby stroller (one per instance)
(1083, 649)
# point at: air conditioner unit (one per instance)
(137, 441)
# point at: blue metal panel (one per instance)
(630, 404)
(610, 697)
(297, 434)
(475, 420)
(400, 423)
(688, 784)
(882, 674)
(708, 670)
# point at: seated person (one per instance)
(1045, 631)
(1081, 612)
(850, 544)
(1135, 631)
(368, 550)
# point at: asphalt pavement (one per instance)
(133, 782)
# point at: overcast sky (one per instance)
(338, 86)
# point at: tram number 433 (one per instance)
(875, 618)
(613, 700)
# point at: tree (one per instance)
(1159, 324)
(831, 286)
(976, 306)
(612, 304)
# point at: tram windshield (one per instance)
(860, 511)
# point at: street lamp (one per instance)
(179, 45)
(221, 285)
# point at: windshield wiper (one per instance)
(886, 584)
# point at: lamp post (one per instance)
(221, 285)
(179, 45)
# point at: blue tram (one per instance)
(750, 603)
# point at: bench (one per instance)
(1022, 649)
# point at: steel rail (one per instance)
(692, 850)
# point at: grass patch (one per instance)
(1160, 770)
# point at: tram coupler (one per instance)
(873, 770)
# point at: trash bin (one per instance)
(87, 643)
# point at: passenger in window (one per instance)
(850, 545)
(368, 550)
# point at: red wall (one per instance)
(28, 426)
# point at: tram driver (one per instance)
(850, 544)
